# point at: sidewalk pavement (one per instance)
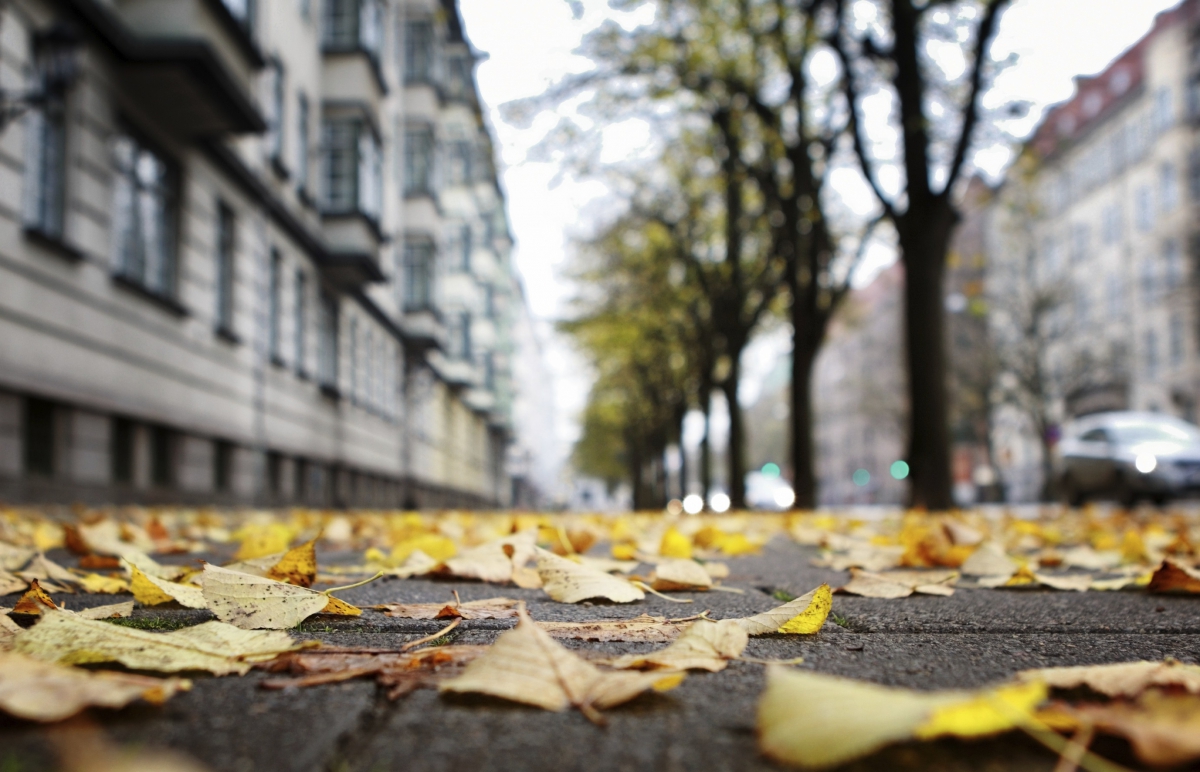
(970, 639)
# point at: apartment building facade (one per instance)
(1094, 226)
(253, 253)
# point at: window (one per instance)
(1163, 115)
(1079, 242)
(1143, 206)
(38, 431)
(353, 169)
(489, 371)
(1173, 262)
(144, 218)
(1111, 224)
(459, 156)
(225, 269)
(222, 463)
(1176, 330)
(418, 161)
(353, 25)
(301, 311)
(418, 51)
(277, 84)
(1168, 187)
(418, 269)
(1151, 353)
(45, 166)
(1149, 282)
(302, 119)
(162, 449)
(466, 243)
(458, 76)
(121, 450)
(327, 342)
(461, 341)
(352, 339)
(274, 306)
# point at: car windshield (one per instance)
(1131, 433)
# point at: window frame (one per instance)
(169, 188)
(275, 307)
(420, 261)
(352, 169)
(225, 274)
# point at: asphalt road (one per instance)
(973, 638)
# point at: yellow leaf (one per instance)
(35, 601)
(103, 585)
(45, 691)
(341, 608)
(703, 646)
(214, 647)
(675, 545)
(817, 721)
(568, 582)
(526, 665)
(251, 602)
(298, 565)
(804, 615)
(986, 714)
(259, 539)
(152, 591)
(434, 545)
(624, 551)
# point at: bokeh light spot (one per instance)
(861, 477)
(771, 470)
(899, 469)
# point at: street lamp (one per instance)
(56, 52)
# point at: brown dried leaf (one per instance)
(638, 629)
(1123, 679)
(35, 601)
(44, 691)
(1172, 576)
(8, 630)
(1163, 729)
(491, 608)
(704, 645)
(526, 665)
(400, 671)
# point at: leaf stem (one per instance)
(352, 586)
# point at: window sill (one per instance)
(371, 222)
(53, 243)
(331, 392)
(281, 171)
(163, 301)
(228, 335)
(371, 58)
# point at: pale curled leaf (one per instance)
(10, 583)
(804, 615)
(1123, 679)
(675, 574)
(153, 591)
(256, 602)
(44, 691)
(12, 558)
(704, 645)
(490, 608)
(817, 721)
(53, 577)
(640, 628)
(569, 582)
(111, 611)
(899, 584)
(989, 559)
(1162, 728)
(8, 630)
(214, 647)
(526, 665)
(491, 562)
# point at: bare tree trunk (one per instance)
(683, 462)
(804, 477)
(924, 244)
(706, 443)
(737, 434)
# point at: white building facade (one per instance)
(255, 253)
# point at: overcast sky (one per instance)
(529, 45)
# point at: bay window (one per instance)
(418, 161)
(353, 169)
(354, 25)
(144, 217)
(418, 51)
(418, 275)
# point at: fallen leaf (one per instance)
(804, 615)
(680, 575)
(526, 665)
(989, 559)
(98, 584)
(260, 539)
(490, 562)
(717, 570)
(44, 691)
(1123, 679)
(256, 602)
(569, 582)
(675, 545)
(8, 630)
(52, 576)
(152, 591)
(35, 601)
(1024, 578)
(608, 565)
(641, 628)
(491, 608)
(400, 671)
(1175, 577)
(298, 565)
(704, 645)
(434, 546)
(10, 583)
(866, 556)
(1089, 559)
(13, 558)
(1163, 729)
(215, 647)
(417, 563)
(111, 611)
(84, 748)
(899, 584)
(817, 721)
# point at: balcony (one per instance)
(456, 372)
(190, 63)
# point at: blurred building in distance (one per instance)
(860, 396)
(1092, 251)
(255, 253)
